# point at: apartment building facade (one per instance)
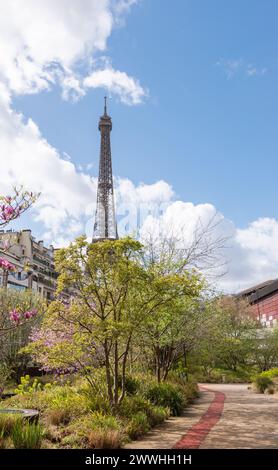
(33, 261)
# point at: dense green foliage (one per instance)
(168, 396)
(266, 381)
(72, 416)
(26, 435)
(126, 339)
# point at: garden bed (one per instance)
(74, 416)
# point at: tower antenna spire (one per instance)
(105, 105)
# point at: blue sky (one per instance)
(211, 136)
(192, 94)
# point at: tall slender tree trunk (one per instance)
(185, 362)
(116, 373)
(108, 374)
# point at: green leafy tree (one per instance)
(229, 338)
(265, 348)
(114, 294)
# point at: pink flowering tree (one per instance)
(61, 347)
(16, 315)
(20, 311)
(14, 205)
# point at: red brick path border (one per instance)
(199, 431)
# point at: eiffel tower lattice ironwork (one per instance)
(105, 226)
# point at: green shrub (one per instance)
(191, 391)
(178, 376)
(65, 403)
(157, 414)
(132, 405)
(262, 383)
(138, 425)
(132, 384)
(27, 435)
(271, 373)
(167, 395)
(100, 420)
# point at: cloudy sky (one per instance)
(192, 89)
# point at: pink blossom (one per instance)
(27, 315)
(15, 316)
(8, 212)
(5, 264)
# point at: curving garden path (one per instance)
(224, 417)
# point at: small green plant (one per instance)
(168, 396)
(138, 425)
(262, 383)
(27, 435)
(26, 386)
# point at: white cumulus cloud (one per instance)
(127, 88)
(44, 42)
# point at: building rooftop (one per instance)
(260, 291)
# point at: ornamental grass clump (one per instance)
(262, 383)
(157, 414)
(104, 439)
(138, 425)
(168, 396)
(94, 430)
(7, 423)
(27, 435)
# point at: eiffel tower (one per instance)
(105, 226)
